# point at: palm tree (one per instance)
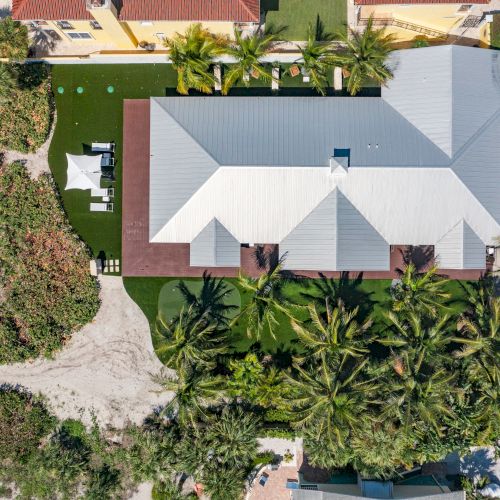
(248, 52)
(166, 488)
(266, 300)
(329, 401)
(192, 55)
(387, 453)
(423, 341)
(365, 56)
(7, 82)
(210, 302)
(193, 392)
(13, 39)
(189, 341)
(481, 344)
(420, 291)
(316, 60)
(419, 398)
(224, 483)
(338, 335)
(233, 437)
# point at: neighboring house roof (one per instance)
(414, 493)
(412, 2)
(143, 10)
(57, 10)
(191, 10)
(439, 92)
(261, 165)
(214, 246)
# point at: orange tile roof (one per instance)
(191, 10)
(143, 10)
(57, 10)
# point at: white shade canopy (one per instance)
(84, 172)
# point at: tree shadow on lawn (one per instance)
(346, 289)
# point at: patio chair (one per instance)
(110, 192)
(107, 161)
(103, 147)
(263, 479)
(108, 173)
(305, 75)
(101, 207)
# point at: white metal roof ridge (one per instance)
(264, 205)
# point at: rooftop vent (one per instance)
(339, 162)
(338, 167)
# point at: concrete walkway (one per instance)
(106, 367)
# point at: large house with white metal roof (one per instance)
(333, 183)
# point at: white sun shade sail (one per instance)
(84, 172)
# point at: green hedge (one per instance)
(495, 31)
(27, 112)
(47, 289)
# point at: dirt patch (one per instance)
(106, 368)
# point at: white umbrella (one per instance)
(84, 172)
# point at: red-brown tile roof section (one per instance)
(413, 2)
(143, 10)
(191, 10)
(52, 10)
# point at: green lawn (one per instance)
(371, 296)
(296, 15)
(96, 115)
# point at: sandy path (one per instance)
(36, 163)
(106, 367)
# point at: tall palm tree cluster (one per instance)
(195, 53)
(379, 392)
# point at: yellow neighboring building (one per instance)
(137, 22)
(408, 19)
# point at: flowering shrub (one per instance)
(26, 113)
(47, 291)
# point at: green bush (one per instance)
(264, 458)
(277, 415)
(24, 422)
(27, 111)
(48, 291)
(495, 31)
(420, 41)
(278, 432)
(14, 42)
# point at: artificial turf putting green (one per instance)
(296, 15)
(171, 300)
(96, 115)
(146, 291)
